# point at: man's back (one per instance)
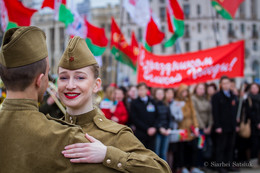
(32, 143)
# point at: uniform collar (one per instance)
(20, 104)
(82, 118)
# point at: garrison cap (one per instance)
(23, 46)
(77, 55)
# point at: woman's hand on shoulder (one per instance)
(93, 152)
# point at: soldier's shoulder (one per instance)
(107, 125)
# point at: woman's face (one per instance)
(75, 87)
(169, 94)
(159, 95)
(132, 92)
(211, 90)
(184, 94)
(254, 89)
(200, 90)
(119, 95)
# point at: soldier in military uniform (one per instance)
(114, 144)
(30, 141)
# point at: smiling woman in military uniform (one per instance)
(114, 145)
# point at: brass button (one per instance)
(119, 165)
(108, 161)
(100, 119)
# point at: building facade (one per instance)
(204, 29)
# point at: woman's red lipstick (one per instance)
(71, 95)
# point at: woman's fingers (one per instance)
(91, 138)
(77, 145)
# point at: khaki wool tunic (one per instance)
(30, 142)
(125, 152)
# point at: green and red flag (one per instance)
(175, 20)
(61, 12)
(226, 8)
(153, 35)
(135, 48)
(14, 14)
(119, 46)
(96, 39)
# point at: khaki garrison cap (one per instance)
(23, 46)
(77, 55)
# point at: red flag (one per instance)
(227, 8)
(119, 46)
(48, 3)
(153, 34)
(96, 39)
(97, 35)
(51, 3)
(135, 47)
(18, 14)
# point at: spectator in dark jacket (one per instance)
(252, 110)
(163, 126)
(144, 116)
(224, 109)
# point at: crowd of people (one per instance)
(190, 126)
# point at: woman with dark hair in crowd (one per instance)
(204, 116)
(252, 110)
(211, 90)
(163, 124)
(119, 111)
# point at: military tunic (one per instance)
(30, 142)
(125, 152)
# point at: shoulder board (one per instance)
(107, 125)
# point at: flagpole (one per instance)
(120, 26)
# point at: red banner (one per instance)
(191, 68)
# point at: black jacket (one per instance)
(252, 111)
(224, 110)
(141, 118)
(164, 115)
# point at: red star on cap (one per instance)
(71, 59)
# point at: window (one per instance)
(186, 10)
(128, 17)
(128, 33)
(163, 29)
(187, 46)
(254, 9)
(255, 47)
(62, 40)
(254, 31)
(162, 1)
(140, 34)
(52, 40)
(199, 45)
(163, 47)
(217, 26)
(186, 31)
(199, 27)
(256, 70)
(231, 32)
(242, 28)
(162, 13)
(242, 10)
(198, 10)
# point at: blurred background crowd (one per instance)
(188, 126)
